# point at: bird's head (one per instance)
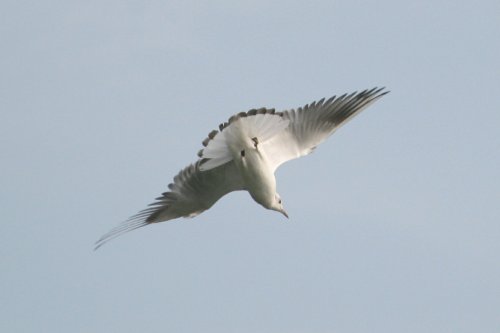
(278, 205)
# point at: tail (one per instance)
(257, 125)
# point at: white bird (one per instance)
(244, 154)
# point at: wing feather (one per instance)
(191, 193)
(314, 123)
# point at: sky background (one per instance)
(394, 222)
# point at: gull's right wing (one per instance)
(314, 123)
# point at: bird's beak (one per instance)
(284, 213)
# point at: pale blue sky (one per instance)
(394, 222)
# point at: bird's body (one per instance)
(244, 154)
(258, 179)
(251, 162)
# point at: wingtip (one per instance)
(374, 93)
(135, 222)
(380, 91)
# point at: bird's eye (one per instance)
(279, 201)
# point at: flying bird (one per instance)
(244, 153)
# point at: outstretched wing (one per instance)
(191, 193)
(314, 123)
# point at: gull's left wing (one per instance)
(192, 192)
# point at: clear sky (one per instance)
(394, 222)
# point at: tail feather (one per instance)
(241, 129)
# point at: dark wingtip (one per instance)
(135, 222)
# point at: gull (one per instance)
(244, 153)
